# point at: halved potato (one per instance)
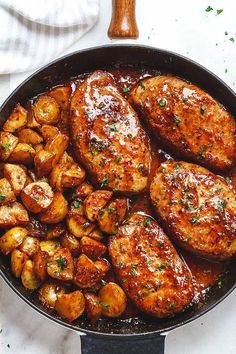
(95, 202)
(57, 145)
(29, 136)
(56, 211)
(38, 148)
(93, 307)
(78, 225)
(46, 110)
(6, 192)
(61, 265)
(49, 292)
(70, 306)
(96, 234)
(36, 228)
(73, 177)
(83, 190)
(77, 207)
(16, 120)
(12, 239)
(55, 177)
(55, 231)
(8, 142)
(13, 215)
(37, 196)
(50, 246)
(40, 264)
(31, 121)
(16, 175)
(92, 248)
(86, 272)
(29, 246)
(71, 242)
(23, 153)
(28, 276)
(18, 260)
(103, 265)
(62, 96)
(49, 132)
(113, 300)
(110, 217)
(43, 162)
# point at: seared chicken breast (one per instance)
(149, 268)
(197, 207)
(107, 136)
(187, 120)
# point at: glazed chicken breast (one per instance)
(149, 269)
(197, 207)
(107, 135)
(187, 120)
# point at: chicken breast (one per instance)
(149, 268)
(197, 207)
(187, 120)
(107, 136)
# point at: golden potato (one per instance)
(40, 264)
(6, 192)
(43, 162)
(18, 260)
(96, 234)
(61, 265)
(12, 239)
(16, 175)
(46, 110)
(62, 96)
(71, 242)
(93, 307)
(23, 153)
(95, 202)
(78, 225)
(73, 177)
(50, 246)
(110, 217)
(55, 231)
(31, 121)
(8, 142)
(49, 292)
(113, 300)
(92, 248)
(70, 306)
(103, 265)
(28, 276)
(36, 228)
(86, 272)
(77, 207)
(56, 176)
(38, 148)
(83, 190)
(56, 211)
(29, 246)
(37, 196)
(29, 136)
(13, 215)
(16, 120)
(57, 146)
(49, 132)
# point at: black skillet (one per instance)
(122, 336)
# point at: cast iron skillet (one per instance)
(117, 336)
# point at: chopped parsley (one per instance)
(147, 286)
(2, 196)
(161, 267)
(112, 127)
(61, 262)
(105, 306)
(6, 146)
(76, 204)
(195, 221)
(117, 159)
(162, 102)
(147, 222)
(142, 85)
(223, 203)
(104, 182)
(177, 120)
(125, 89)
(208, 9)
(110, 210)
(141, 168)
(231, 39)
(119, 264)
(171, 305)
(226, 33)
(219, 11)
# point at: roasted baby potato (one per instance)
(29, 246)
(49, 132)
(86, 272)
(77, 207)
(22, 153)
(95, 202)
(46, 110)
(92, 248)
(16, 120)
(36, 229)
(55, 231)
(49, 292)
(6, 192)
(40, 264)
(93, 307)
(57, 146)
(12, 239)
(61, 265)
(62, 96)
(31, 121)
(50, 246)
(113, 300)
(96, 234)
(29, 136)
(13, 215)
(8, 142)
(55, 177)
(56, 211)
(43, 162)
(16, 175)
(28, 276)
(70, 306)
(71, 242)
(78, 225)
(103, 265)
(18, 260)
(72, 177)
(37, 196)
(110, 217)
(83, 190)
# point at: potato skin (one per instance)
(18, 260)
(49, 132)
(49, 292)
(70, 306)
(22, 153)
(29, 246)
(28, 276)
(8, 142)
(55, 231)
(43, 162)
(37, 196)
(93, 307)
(56, 211)
(83, 190)
(46, 110)
(12, 239)
(13, 215)
(50, 246)
(86, 272)
(57, 146)
(62, 96)
(71, 242)
(61, 265)
(16, 120)
(110, 217)
(72, 177)
(92, 248)
(40, 264)
(95, 202)
(16, 175)
(6, 193)
(78, 225)
(113, 300)
(29, 136)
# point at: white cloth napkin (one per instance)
(33, 32)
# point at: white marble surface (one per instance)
(184, 27)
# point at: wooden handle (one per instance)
(123, 21)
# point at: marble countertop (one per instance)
(186, 28)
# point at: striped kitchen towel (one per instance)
(33, 32)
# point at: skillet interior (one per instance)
(134, 57)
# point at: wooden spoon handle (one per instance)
(123, 21)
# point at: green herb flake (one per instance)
(147, 286)
(177, 120)
(161, 267)
(195, 221)
(117, 160)
(112, 127)
(147, 222)
(6, 146)
(186, 278)
(76, 204)
(223, 203)
(141, 168)
(142, 86)
(119, 264)
(162, 102)
(219, 11)
(2, 196)
(202, 109)
(208, 9)
(61, 262)
(105, 306)
(104, 182)
(125, 89)
(110, 210)
(231, 39)
(226, 70)
(226, 33)
(145, 293)
(149, 262)
(171, 306)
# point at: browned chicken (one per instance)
(197, 207)
(107, 135)
(149, 268)
(189, 121)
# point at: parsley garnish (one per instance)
(162, 102)
(6, 146)
(104, 182)
(110, 210)
(61, 262)
(223, 203)
(2, 196)
(208, 9)
(147, 222)
(125, 89)
(231, 39)
(117, 160)
(219, 11)
(76, 204)
(177, 120)
(112, 127)
(142, 85)
(195, 221)
(161, 267)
